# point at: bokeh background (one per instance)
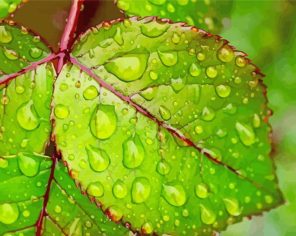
(266, 31)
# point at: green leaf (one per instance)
(22, 196)
(8, 6)
(208, 15)
(19, 48)
(167, 123)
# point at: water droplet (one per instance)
(114, 213)
(211, 72)
(232, 206)
(225, 54)
(163, 167)
(103, 121)
(174, 194)
(147, 228)
(122, 4)
(165, 113)
(95, 189)
(58, 209)
(201, 56)
(198, 129)
(168, 58)
(3, 163)
(176, 38)
(119, 189)
(27, 116)
(268, 199)
(256, 121)
(28, 165)
(5, 35)
(140, 190)
(98, 158)
(208, 114)
(207, 215)
(240, 61)
(61, 111)
(230, 109)
(194, 70)
(128, 67)
(26, 213)
(153, 75)
(35, 52)
(9, 213)
(154, 29)
(177, 84)
(171, 8)
(148, 93)
(246, 133)
(90, 92)
(201, 191)
(118, 36)
(10, 54)
(133, 152)
(19, 89)
(223, 91)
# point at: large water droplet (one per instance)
(98, 159)
(207, 215)
(211, 72)
(194, 70)
(9, 213)
(246, 133)
(28, 165)
(208, 114)
(232, 206)
(103, 121)
(90, 92)
(61, 111)
(223, 91)
(95, 189)
(27, 116)
(154, 29)
(165, 113)
(168, 58)
(140, 190)
(201, 191)
(225, 54)
(174, 194)
(128, 67)
(119, 189)
(5, 35)
(133, 152)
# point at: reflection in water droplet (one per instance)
(140, 190)
(207, 215)
(168, 58)
(128, 67)
(119, 189)
(90, 92)
(201, 191)
(240, 61)
(61, 111)
(9, 213)
(98, 159)
(174, 194)
(103, 121)
(133, 152)
(225, 54)
(232, 206)
(246, 133)
(95, 189)
(28, 165)
(208, 114)
(211, 72)
(5, 35)
(27, 116)
(165, 113)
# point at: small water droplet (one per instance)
(148, 93)
(194, 70)
(168, 58)
(201, 56)
(225, 54)
(90, 92)
(35, 52)
(163, 167)
(256, 121)
(177, 84)
(28, 165)
(211, 72)
(176, 38)
(153, 75)
(154, 29)
(119, 189)
(246, 133)
(232, 206)
(230, 109)
(61, 111)
(174, 194)
(103, 121)
(57, 209)
(26, 213)
(118, 36)
(9, 213)
(10, 54)
(133, 152)
(95, 189)
(5, 35)
(27, 116)
(240, 61)
(223, 91)
(198, 129)
(165, 113)
(114, 213)
(140, 190)
(208, 114)
(98, 158)
(201, 191)
(147, 228)
(19, 89)
(207, 215)
(3, 163)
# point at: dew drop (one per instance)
(240, 61)
(256, 121)
(140, 190)
(35, 52)
(232, 206)
(174, 194)
(168, 58)
(90, 92)
(211, 72)
(133, 152)
(10, 54)
(128, 67)
(208, 114)
(95, 189)
(147, 228)
(148, 93)
(58, 209)
(3, 163)
(165, 113)
(198, 129)
(154, 29)
(225, 54)
(118, 36)
(177, 84)
(123, 4)
(207, 215)
(182, 2)
(103, 121)
(98, 158)
(114, 213)
(176, 38)
(5, 35)
(194, 70)
(28, 165)
(27, 116)
(223, 91)
(201, 191)
(61, 111)
(19, 89)
(119, 189)
(153, 75)
(163, 167)
(246, 133)
(9, 213)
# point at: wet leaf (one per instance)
(9, 6)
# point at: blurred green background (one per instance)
(266, 31)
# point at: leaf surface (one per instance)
(176, 112)
(207, 15)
